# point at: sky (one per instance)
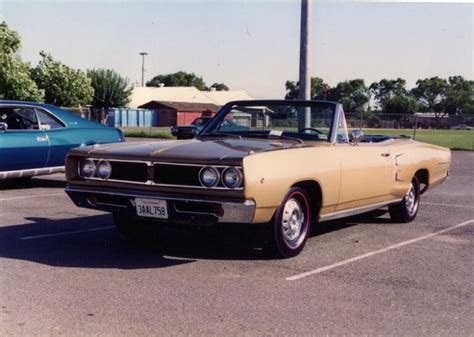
(250, 45)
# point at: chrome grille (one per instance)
(159, 173)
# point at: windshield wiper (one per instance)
(269, 135)
(221, 134)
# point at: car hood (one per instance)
(186, 127)
(221, 151)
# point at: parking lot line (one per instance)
(65, 233)
(33, 196)
(449, 205)
(383, 250)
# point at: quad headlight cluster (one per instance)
(88, 168)
(230, 177)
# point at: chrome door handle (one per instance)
(385, 154)
(42, 138)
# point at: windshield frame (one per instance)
(332, 135)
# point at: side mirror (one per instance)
(356, 136)
(3, 126)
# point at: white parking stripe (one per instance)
(383, 250)
(449, 205)
(65, 233)
(33, 196)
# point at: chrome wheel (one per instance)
(293, 221)
(407, 209)
(411, 202)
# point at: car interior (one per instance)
(25, 118)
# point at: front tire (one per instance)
(407, 209)
(136, 229)
(291, 224)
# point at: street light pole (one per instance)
(305, 48)
(143, 54)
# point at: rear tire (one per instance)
(291, 224)
(407, 209)
(136, 229)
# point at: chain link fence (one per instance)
(368, 120)
(92, 114)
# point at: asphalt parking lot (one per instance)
(66, 271)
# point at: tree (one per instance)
(179, 79)
(318, 89)
(219, 87)
(110, 89)
(63, 85)
(353, 95)
(15, 81)
(460, 96)
(399, 105)
(386, 89)
(432, 95)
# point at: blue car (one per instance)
(35, 138)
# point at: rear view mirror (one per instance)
(356, 136)
(3, 126)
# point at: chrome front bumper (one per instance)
(181, 209)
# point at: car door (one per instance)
(23, 145)
(366, 171)
(61, 138)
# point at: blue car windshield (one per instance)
(274, 119)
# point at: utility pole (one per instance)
(305, 71)
(143, 54)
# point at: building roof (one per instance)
(181, 106)
(142, 95)
(222, 97)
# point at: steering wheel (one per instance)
(310, 129)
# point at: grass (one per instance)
(162, 133)
(453, 139)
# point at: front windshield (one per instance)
(285, 119)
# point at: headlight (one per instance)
(232, 177)
(87, 168)
(104, 169)
(209, 176)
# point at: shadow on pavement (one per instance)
(27, 183)
(94, 249)
(106, 248)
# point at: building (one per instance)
(179, 113)
(142, 95)
(181, 105)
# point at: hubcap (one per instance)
(293, 221)
(411, 203)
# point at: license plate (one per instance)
(151, 208)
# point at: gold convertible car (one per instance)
(285, 164)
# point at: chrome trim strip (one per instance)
(239, 212)
(199, 187)
(333, 129)
(358, 210)
(31, 172)
(148, 163)
(146, 183)
(201, 165)
(152, 163)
